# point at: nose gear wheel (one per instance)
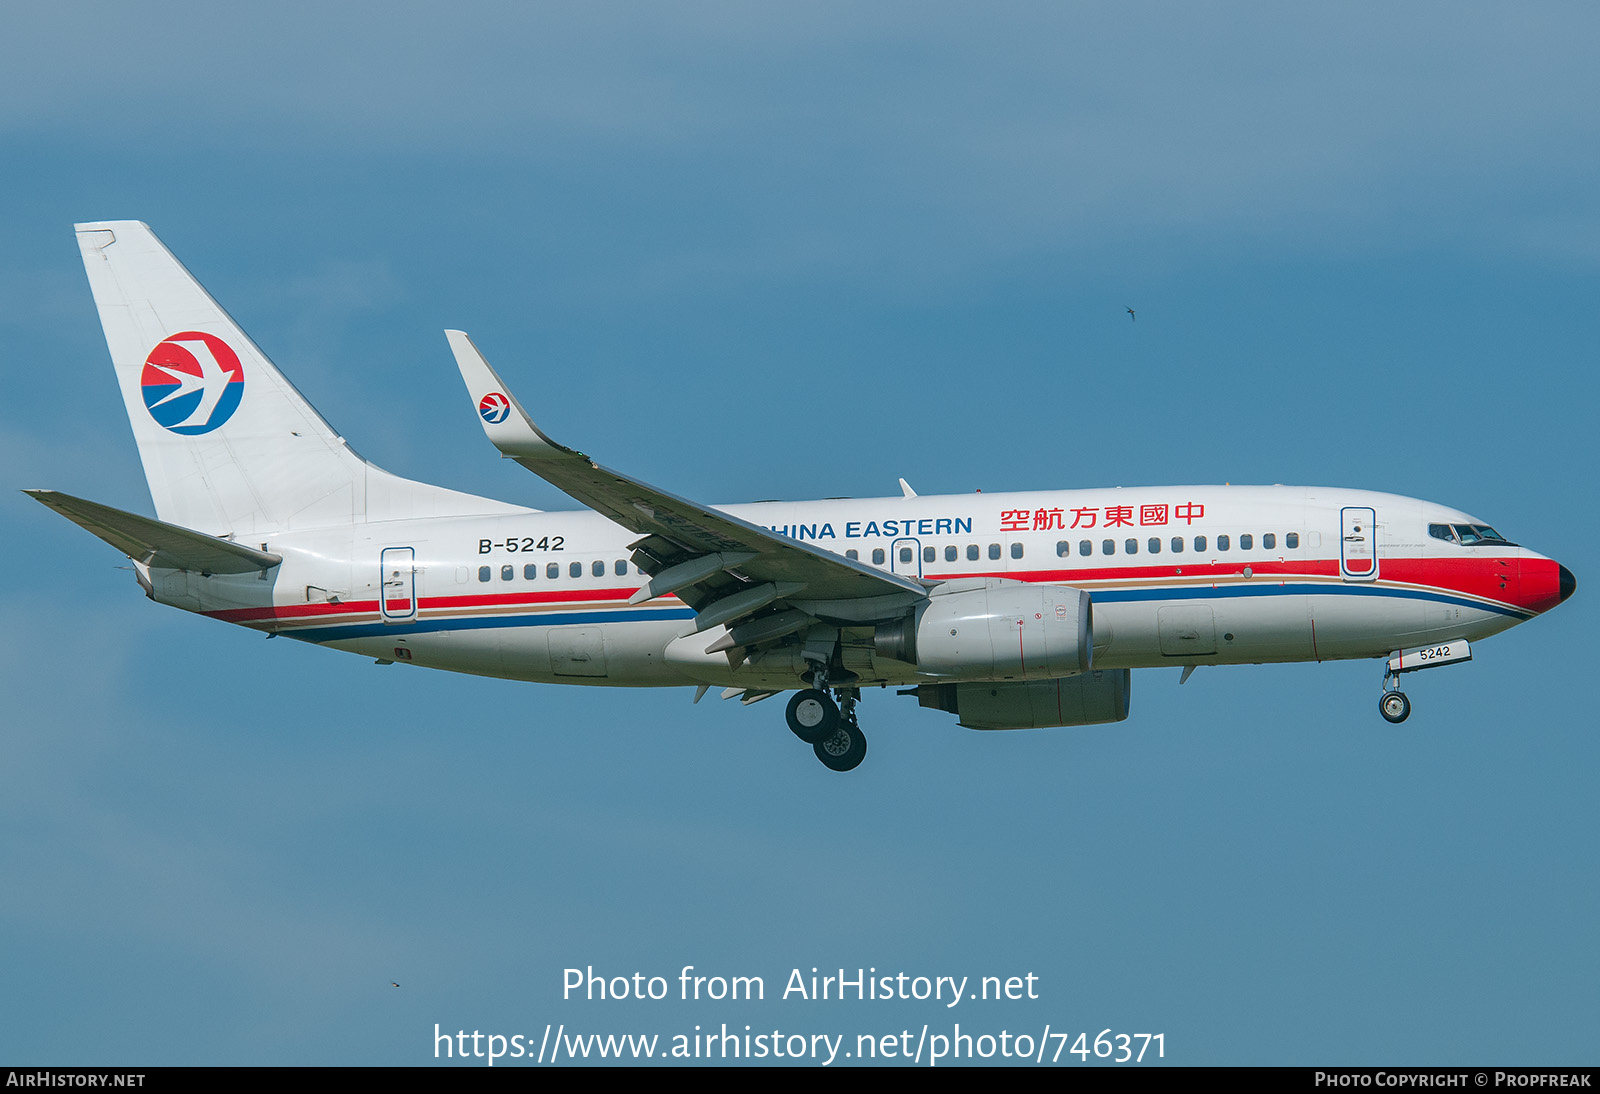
(1394, 706)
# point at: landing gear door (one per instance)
(397, 598)
(1358, 544)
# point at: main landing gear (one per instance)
(828, 726)
(812, 715)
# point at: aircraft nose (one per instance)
(1569, 584)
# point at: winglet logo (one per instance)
(192, 382)
(494, 407)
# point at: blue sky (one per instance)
(751, 251)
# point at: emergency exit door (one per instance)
(905, 557)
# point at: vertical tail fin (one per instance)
(228, 444)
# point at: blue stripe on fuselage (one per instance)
(484, 622)
(338, 631)
(1213, 592)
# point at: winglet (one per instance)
(508, 426)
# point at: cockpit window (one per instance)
(1471, 534)
(1468, 535)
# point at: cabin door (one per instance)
(1358, 544)
(397, 595)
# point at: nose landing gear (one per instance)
(1393, 704)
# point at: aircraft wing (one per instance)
(726, 568)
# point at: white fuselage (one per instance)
(1178, 575)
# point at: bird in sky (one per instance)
(1131, 317)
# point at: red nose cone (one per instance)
(1545, 583)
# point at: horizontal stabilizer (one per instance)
(155, 542)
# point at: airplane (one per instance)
(1011, 611)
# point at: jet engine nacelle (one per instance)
(1090, 698)
(992, 629)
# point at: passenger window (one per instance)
(507, 573)
(950, 553)
(1292, 540)
(576, 569)
(930, 554)
(553, 570)
(598, 569)
(483, 573)
(620, 568)
(1269, 541)
(972, 552)
(1155, 545)
(877, 556)
(1016, 550)
(530, 571)
(1199, 545)
(853, 553)
(1177, 545)
(1245, 542)
(994, 550)
(1222, 543)
(1108, 547)
(905, 554)
(1063, 548)
(1130, 546)
(1085, 548)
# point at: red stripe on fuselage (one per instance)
(1486, 578)
(1529, 584)
(530, 598)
